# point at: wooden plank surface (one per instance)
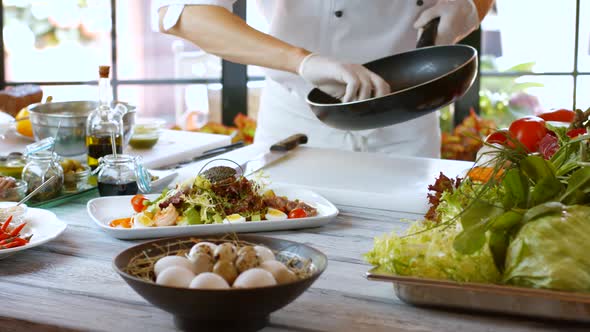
(69, 285)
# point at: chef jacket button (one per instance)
(420, 2)
(338, 13)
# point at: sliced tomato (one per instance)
(500, 137)
(560, 115)
(576, 132)
(297, 213)
(529, 131)
(138, 202)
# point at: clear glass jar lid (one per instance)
(42, 145)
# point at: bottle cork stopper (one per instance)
(103, 71)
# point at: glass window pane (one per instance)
(540, 32)
(145, 54)
(56, 40)
(70, 92)
(507, 98)
(255, 18)
(583, 93)
(584, 42)
(187, 105)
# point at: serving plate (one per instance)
(516, 301)
(43, 225)
(105, 209)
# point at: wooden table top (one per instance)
(69, 284)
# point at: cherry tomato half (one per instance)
(560, 115)
(297, 213)
(137, 202)
(500, 137)
(529, 131)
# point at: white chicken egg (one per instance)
(169, 261)
(274, 214)
(264, 254)
(279, 271)
(208, 280)
(254, 278)
(175, 276)
(234, 219)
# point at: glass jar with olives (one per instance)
(41, 166)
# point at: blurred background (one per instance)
(535, 56)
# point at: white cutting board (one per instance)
(353, 178)
(175, 146)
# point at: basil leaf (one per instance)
(577, 181)
(516, 189)
(506, 221)
(498, 245)
(542, 210)
(536, 168)
(475, 220)
(547, 189)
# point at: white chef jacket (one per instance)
(354, 31)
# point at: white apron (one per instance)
(365, 31)
(354, 31)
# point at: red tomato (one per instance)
(297, 213)
(500, 137)
(529, 131)
(561, 115)
(137, 202)
(576, 132)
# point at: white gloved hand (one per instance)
(458, 18)
(345, 81)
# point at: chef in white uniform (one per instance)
(322, 43)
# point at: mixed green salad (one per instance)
(520, 216)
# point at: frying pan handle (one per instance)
(429, 32)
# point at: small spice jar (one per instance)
(122, 175)
(43, 164)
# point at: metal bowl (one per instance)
(71, 140)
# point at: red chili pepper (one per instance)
(17, 230)
(11, 245)
(5, 225)
(576, 132)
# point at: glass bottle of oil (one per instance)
(103, 123)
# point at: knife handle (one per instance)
(289, 143)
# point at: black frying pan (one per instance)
(422, 81)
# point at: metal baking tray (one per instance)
(547, 304)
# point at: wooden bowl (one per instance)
(215, 310)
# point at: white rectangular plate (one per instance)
(105, 209)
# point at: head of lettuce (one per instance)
(552, 251)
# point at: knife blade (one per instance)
(277, 151)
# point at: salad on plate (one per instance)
(217, 196)
(520, 216)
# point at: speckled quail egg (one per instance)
(207, 248)
(255, 278)
(245, 249)
(279, 271)
(247, 260)
(274, 214)
(225, 252)
(234, 219)
(175, 276)
(226, 270)
(208, 280)
(201, 263)
(264, 254)
(168, 261)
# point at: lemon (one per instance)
(24, 127)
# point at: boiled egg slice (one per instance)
(141, 220)
(234, 219)
(274, 214)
